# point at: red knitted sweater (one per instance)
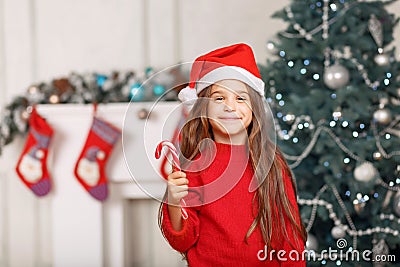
(214, 234)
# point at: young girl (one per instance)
(237, 189)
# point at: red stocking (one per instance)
(31, 166)
(90, 167)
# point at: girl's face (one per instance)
(229, 111)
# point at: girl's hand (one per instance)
(177, 187)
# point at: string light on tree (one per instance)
(337, 114)
(272, 46)
(377, 155)
(289, 118)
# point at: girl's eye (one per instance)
(241, 99)
(218, 99)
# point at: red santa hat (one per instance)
(232, 62)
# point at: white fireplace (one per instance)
(122, 231)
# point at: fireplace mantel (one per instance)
(86, 232)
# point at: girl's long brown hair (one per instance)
(272, 201)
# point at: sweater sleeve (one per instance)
(294, 238)
(184, 239)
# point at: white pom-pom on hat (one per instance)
(188, 96)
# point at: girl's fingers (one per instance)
(176, 194)
(176, 198)
(178, 188)
(178, 181)
(175, 175)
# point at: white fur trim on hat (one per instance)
(231, 72)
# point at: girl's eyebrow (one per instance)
(237, 93)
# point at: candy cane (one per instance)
(175, 165)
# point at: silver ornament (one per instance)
(311, 243)
(338, 232)
(365, 172)
(336, 76)
(382, 59)
(375, 28)
(383, 116)
(396, 204)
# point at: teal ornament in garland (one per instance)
(158, 90)
(149, 71)
(101, 79)
(136, 92)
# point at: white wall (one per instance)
(44, 39)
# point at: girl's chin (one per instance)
(231, 133)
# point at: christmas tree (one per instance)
(333, 85)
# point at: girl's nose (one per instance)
(230, 105)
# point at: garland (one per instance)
(95, 87)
